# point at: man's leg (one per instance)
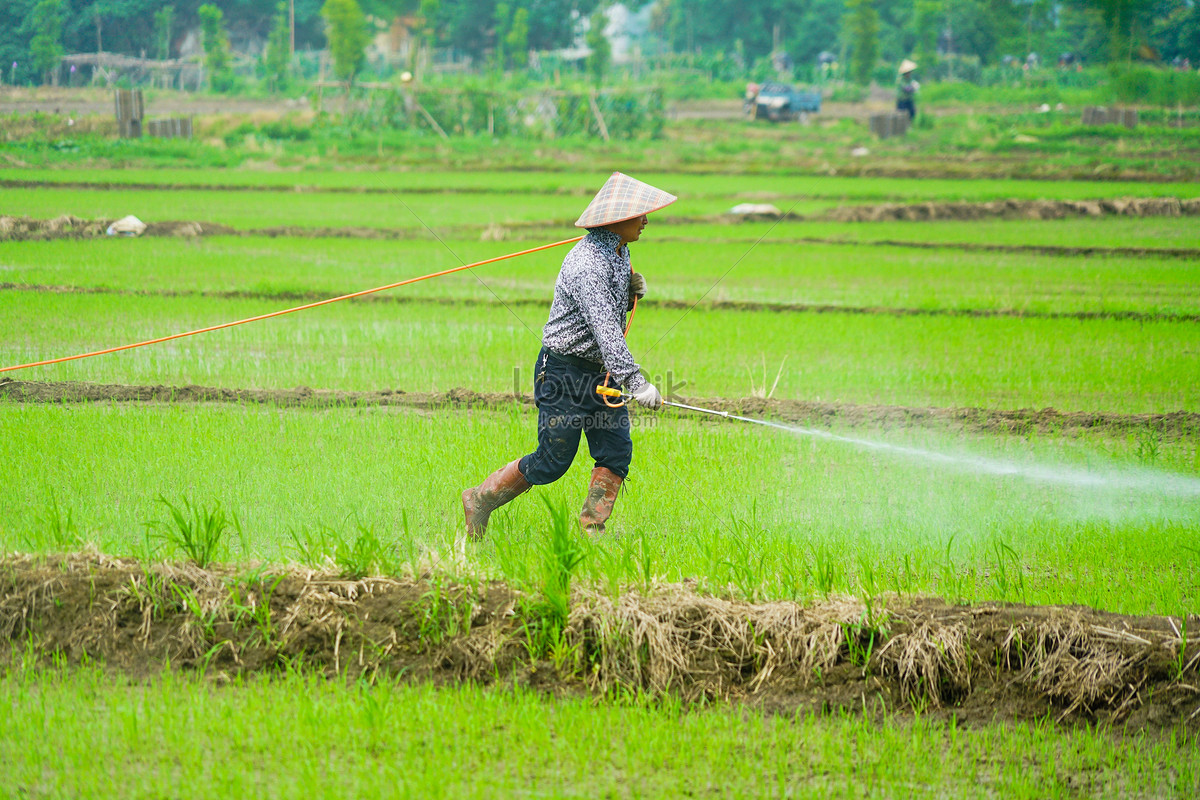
(611, 448)
(502, 486)
(559, 424)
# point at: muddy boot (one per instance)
(602, 494)
(497, 489)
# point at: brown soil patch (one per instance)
(1040, 249)
(680, 305)
(71, 227)
(978, 663)
(1018, 209)
(1171, 426)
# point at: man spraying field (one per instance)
(583, 346)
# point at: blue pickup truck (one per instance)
(779, 101)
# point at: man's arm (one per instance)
(603, 317)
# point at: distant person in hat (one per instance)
(583, 346)
(906, 91)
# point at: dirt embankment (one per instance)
(72, 227)
(979, 663)
(1018, 209)
(1002, 421)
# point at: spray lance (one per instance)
(609, 392)
(615, 398)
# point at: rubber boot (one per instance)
(601, 496)
(502, 486)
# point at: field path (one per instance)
(1017, 422)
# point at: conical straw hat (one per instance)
(907, 66)
(622, 198)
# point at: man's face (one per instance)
(629, 230)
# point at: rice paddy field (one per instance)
(964, 563)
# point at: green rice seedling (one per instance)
(556, 181)
(745, 564)
(612, 568)
(1105, 365)
(56, 528)
(255, 608)
(154, 591)
(881, 276)
(313, 547)
(951, 585)
(861, 638)
(1148, 443)
(903, 578)
(1006, 561)
(869, 589)
(441, 616)
(792, 579)
(197, 531)
(366, 555)
(512, 553)
(185, 597)
(1181, 664)
(562, 552)
(825, 571)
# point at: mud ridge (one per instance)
(68, 226)
(1169, 426)
(1017, 209)
(978, 663)
(983, 247)
(716, 305)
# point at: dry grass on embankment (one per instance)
(1169, 426)
(983, 662)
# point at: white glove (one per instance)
(637, 285)
(637, 289)
(648, 397)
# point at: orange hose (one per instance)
(288, 310)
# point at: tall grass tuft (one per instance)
(197, 531)
(56, 527)
(546, 617)
(366, 555)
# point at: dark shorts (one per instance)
(907, 104)
(565, 392)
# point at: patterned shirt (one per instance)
(587, 317)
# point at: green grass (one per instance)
(248, 210)
(1143, 232)
(84, 734)
(973, 144)
(810, 274)
(1072, 365)
(763, 511)
(583, 183)
(740, 509)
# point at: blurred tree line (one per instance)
(474, 27)
(859, 33)
(1097, 30)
